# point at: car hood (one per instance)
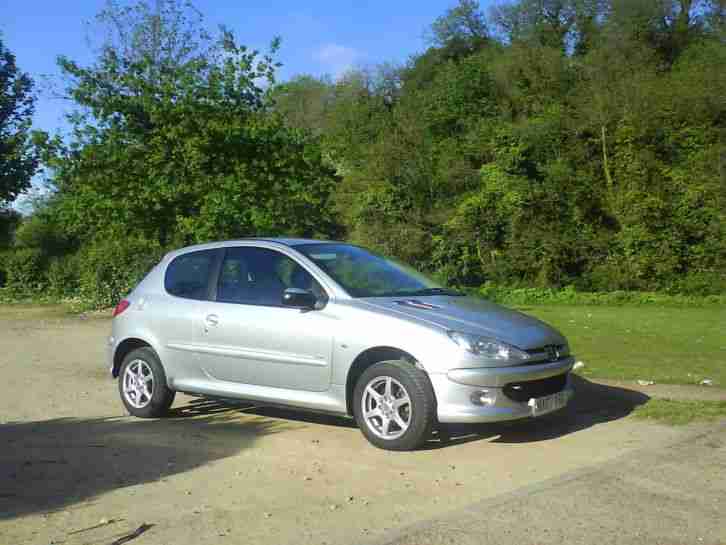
(473, 315)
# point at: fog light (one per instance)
(483, 397)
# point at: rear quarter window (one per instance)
(188, 275)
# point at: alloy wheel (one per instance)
(138, 384)
(386, 407)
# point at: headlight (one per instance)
(487, 347)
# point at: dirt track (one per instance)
(216, 473)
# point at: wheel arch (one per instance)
(369, 357)
(124, 347)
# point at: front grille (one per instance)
(524, 391)
(550, 353)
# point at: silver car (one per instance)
(332, 327)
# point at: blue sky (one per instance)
(318, 36)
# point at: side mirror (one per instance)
(298, 298)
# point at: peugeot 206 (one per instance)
(332, 327)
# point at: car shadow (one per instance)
(208, 405)
(593, 404)
(51, 464)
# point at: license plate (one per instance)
(548, 404)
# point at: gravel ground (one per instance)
(671, 495)
(75, 469)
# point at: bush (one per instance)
(63, 276)
(699, 283)
(23, 270)
(111, 267)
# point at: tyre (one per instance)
(394, 405)
(142, 384)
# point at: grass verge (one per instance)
(678, 413)
(668, 345)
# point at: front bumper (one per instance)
(456, 390)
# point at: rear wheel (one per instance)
(142, 384)
(394, 405)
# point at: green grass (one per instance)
(678, 413)
(666, 344)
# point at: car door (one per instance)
(188, 284)
(247, 336)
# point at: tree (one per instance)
(461, 28)
(18, 161)
(164, 35)
(546, 22)
(582, 142)
(304, 102)
(177, 142)
(668, 27)
(577, 142)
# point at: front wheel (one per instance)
(142, 384)
(394, 405)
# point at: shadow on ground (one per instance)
(206, 406)
(52, 464)
(593, 404)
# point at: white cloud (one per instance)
(336, 59)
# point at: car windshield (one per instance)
(364, 274)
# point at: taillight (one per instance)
(122, 305)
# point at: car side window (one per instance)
(259, 276)
(188, 275)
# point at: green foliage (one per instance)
(183, 147)
(18, 160)
(558, 143)
(303, 102)
(110, 268)
(176, 141)
(474, 239)
(465, 23)
(43, 230)
(266, 179)
(579, 144)
(23, 270)
(63, 276)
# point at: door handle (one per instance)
(211, 320)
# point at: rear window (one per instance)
(188, 275)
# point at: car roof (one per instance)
(280, 240)
(291, 242)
